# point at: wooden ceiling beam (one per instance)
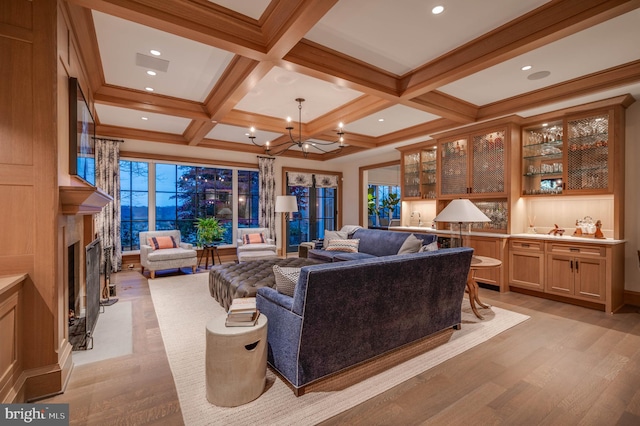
(138, 134)
(595, 82)
(85, 39)
(196, 20)
(548, 23)
(196, 131)
(142, 101)
(360, 107)
(418, 131)
(445, 106)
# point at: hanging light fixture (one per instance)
(304, 146)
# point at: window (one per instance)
(248, 199)
(134, 202)
(317, 212)
(380, 194)
(173, 196)
(185, 193)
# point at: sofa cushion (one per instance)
(162, 242)
(257, 238)
(429, 247)
(411, 244)
(171, 254)
(351, 256)
(286, 279)
(349, 246)
(333, 235)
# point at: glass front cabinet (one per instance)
(419, 173)
(476, 164)
(575, 154)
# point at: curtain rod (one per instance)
(107, 139)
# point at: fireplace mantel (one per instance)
(83, 199)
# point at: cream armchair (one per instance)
(255, 251)
(169, 258)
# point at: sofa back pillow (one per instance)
(411, 244)
(429, 247)
(286, 279)
(253, 238)
(334, 235)
(348, 246)
(158, 243)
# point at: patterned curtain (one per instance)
(267, 201)
(107, 222)
(299, 179)
(326, 181)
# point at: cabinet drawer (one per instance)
(572, 249)
(526, 245)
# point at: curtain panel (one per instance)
(107, 222)
(267, 200)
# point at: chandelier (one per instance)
(305, 146)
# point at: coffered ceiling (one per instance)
(391, 71)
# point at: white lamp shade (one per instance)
(461, 210)
(286, 204)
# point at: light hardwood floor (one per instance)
(566, 365)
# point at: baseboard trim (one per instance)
(632, 298)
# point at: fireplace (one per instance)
(81, 326)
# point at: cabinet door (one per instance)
(560, 275)
(526, 269)
(488, 159)
(590, 278)
(588, 154)
(453, 167)
(542, 159)
(411, 175)
(489, 247)
(428, 173)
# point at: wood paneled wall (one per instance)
(29, 191)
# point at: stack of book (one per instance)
(242, 313)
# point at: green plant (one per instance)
(390, 203)
(209, 230)
(371, 203)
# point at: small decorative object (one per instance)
(599, 233)
(532, 228)
(556, 231)
(578, 231)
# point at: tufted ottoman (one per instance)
(232, 280)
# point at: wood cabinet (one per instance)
(477, 163)
(577, 271)
(588, 272)
(527, 264)
(496, 248)
(419, 175)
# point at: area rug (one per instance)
(183, 307)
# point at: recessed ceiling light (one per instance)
(437, 10)
(149, 89)
(144, 118)
(155, 52)
(381, 119)
(151, 72)
(545, 124)
(526, 68)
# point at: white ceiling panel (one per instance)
(399, 36)
(225, 132)
(395, 118)
(116, 116)
(275, 96)
(603, 46)
(193, 70)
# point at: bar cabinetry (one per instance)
(419, 175)
(526, 264)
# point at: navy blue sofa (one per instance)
(373, 243)
(344, 313)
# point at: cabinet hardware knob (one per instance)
(571, 263)
(577, 263)
(574, 249)
(525, 245)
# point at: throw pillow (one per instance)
(286, 279)
(253, 238)
(411, 244)
(333, 235)
(158, 243)
(348, 246)
(429, 247)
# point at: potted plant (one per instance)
(209, 230)
(373, 209)
(390, 203)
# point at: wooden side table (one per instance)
(209, 250)
(479, 262)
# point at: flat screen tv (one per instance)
(82, 160)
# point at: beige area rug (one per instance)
(184, 306)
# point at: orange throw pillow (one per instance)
(158, 243)
(253, 238)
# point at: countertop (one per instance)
(546, 237)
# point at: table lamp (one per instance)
(461, 211)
